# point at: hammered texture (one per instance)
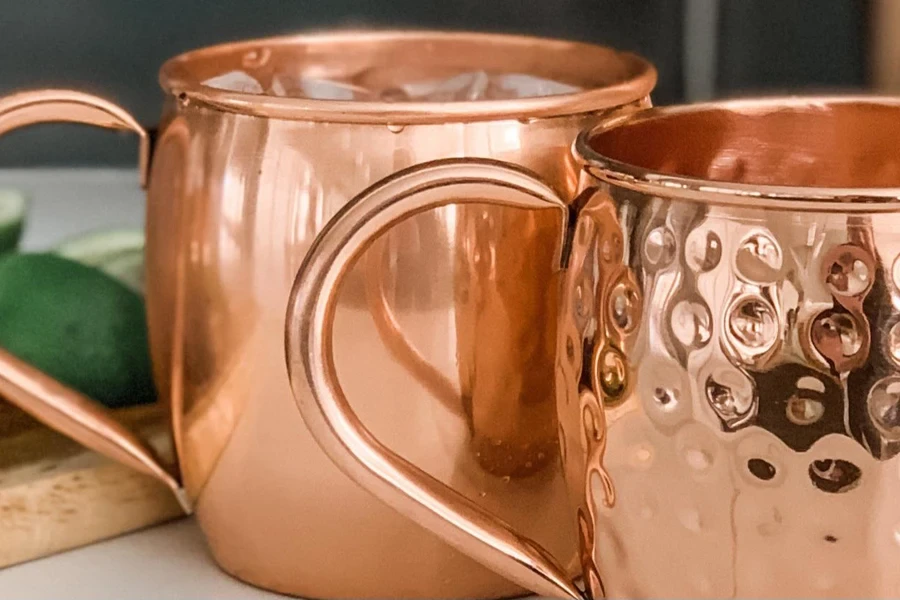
(729, 392)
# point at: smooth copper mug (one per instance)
(239, 184)
(728, 364)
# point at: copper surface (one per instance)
(381, 59)
(728, 358)
(239, 186)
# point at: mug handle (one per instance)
(327, 412)
(47, 400)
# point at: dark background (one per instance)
(115, 47)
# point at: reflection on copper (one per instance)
(746, 414)
(240, 186)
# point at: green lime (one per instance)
(13, 206)
(118, 253)
(77, 324)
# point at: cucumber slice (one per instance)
(127, 267)
(118, 253)
(13, 206)
(97, 246)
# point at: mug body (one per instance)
(729, 355)
(241, 184)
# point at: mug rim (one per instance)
(175, 80)
(652, 182)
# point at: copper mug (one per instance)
(239, 184)
(728, 363)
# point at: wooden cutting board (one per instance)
(55, 495)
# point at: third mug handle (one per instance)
(51, 402)
(327, 412)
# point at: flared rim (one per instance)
(773, 197)
(177, 78)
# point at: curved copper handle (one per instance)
(396, 342)
(44, 398)
(328, 414)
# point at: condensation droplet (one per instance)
(897, 535)
(395, 128)
(703, 251)
(691, 323)
(659, 247)
(758, 259)
(506, 479)
(884, 406)
(848, 274)
(624, 307)
(612, 373)
(665, 398)
(753, 325)
(731, 396)
(803, 411)
(893, 342)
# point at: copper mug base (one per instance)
(239, 185)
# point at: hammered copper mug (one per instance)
(239, 184)
(728, 363)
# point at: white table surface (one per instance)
(167, 562)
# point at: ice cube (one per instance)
(518, 85)
(394, 94)
(328, 89)
(277, 88)
(459, 88)
(316, 88)
(478, 85)
(235, 81)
